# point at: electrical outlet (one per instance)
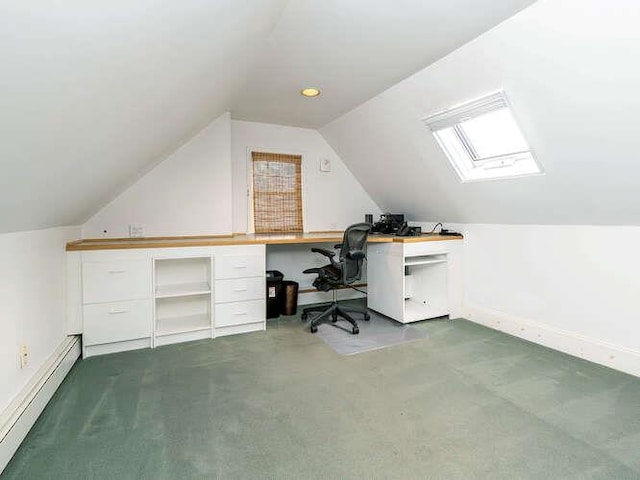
(24, 356)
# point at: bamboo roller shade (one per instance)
(277, 192)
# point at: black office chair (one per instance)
(345, 271)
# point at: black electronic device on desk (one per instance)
(389, 223)
(407, 230)
(449, 233)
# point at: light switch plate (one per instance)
(136, 230)
(325, 165)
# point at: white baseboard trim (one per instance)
(591, 349)
(22, 413)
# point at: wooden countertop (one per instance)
(238, 239)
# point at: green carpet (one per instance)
(466, 403)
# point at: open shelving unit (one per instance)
(183, 324)
(425, 287)
(183, 290)
(182, 296)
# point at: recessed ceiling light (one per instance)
(310, 92)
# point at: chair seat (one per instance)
(328, 272)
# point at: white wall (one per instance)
(32, 306)
(574, 288)
(332, 200)
(189, 193)
(568, 68)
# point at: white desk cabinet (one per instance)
(139, 298)
(415, 281)
(240, 300)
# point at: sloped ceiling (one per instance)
(354, 50)
(568, 68)
(93, 94)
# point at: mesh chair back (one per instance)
(353, 242)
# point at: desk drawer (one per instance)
(237, 266)
(116, 322)
(238, 289)
(115, 281)
(239, 313)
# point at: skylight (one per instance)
(482, 140)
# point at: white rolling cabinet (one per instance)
(415, 281)
(385, 279)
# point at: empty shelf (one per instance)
(182, 290)
(187, 323)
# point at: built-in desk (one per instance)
(129, 293)
(239, 239)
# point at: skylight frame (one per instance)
(448, 128)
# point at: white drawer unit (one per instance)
(239, 265)
(238, 289)
(116, 322)
(239, 313)
(111, 281)
(141, 298)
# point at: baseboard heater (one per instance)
(22, 413)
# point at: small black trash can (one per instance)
(274, 293)
(289, 304)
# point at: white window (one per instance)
(482, 140)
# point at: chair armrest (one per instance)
(327, 253)
(356, 254)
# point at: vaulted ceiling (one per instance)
(567, 67)
(92, 94)
(354, 50)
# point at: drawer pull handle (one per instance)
(117, 312)
(240, 313)
(239, 266)
(117, 271)
(240, 289)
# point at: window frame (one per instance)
(464, 158)
(249, 191)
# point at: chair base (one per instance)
(331, 313)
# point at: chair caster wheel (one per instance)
(313, 329)
(334, 319)
(355, 330)
(303, 317)
(367, 317)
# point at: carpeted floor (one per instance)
(469, 403)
